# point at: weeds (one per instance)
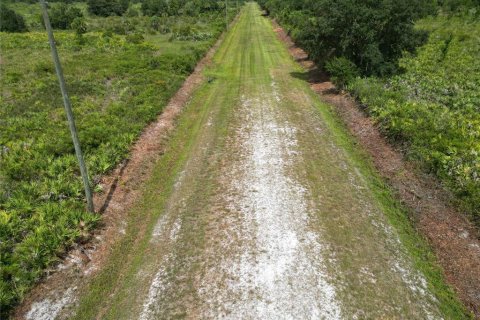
(119, 75)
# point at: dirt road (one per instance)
(263, 208)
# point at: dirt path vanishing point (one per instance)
(261, 208)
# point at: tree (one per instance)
(107, 8)
(10, 21)
(370, 33)
(62, 15)
(155, 7)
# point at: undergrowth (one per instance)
(119, 75)
(433, 108)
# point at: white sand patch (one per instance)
(158, 286)
(280, 273)
(175, 229)
(159, 283)
(49, 309)
(275, 93)
(159, 228)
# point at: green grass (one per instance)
(116, 88)
(433, 107)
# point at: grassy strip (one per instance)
(118, 277)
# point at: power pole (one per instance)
(68, 107)
(226, 14)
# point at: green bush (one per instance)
(155, 7)
(10, 21)
(107, 8)
(79, 25)
(132, 12)
(433, 108)
(135, 38)
(342, 71)
(372, 34)
(62, 15)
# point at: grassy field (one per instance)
(189, 179)
(117, 84)
(433, 108)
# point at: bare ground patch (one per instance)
(271, 266)
(454, 239)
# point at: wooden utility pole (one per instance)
(68, 107)
(226, 14)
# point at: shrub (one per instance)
(79, 25)
(135, 38)
(372, 34)
(107, 8)
(155, 7)
(342, 71)
(10, 21)
(62, 15)
(433, 107)
(132, 12)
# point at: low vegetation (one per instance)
(417, 75)
(433, 108)
(120, 73)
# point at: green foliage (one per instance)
(459, 6)
(135, 38)
(107, 8)
(434, 107)
(41, 195)
(372, 34)
(175, 7)
(342, 71)
(79, 25)
(63, 15)
(132, 12)
(155, 7)
(10, 21)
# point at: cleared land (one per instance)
(262, 207)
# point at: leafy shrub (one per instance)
(434, 107)
(79, 25)
(342, 71)
(107, 8)
(135, 38)
(10, 21)
(371, 34)
(132, 12)
(183, 64)
(62, 15)
(155, 7)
